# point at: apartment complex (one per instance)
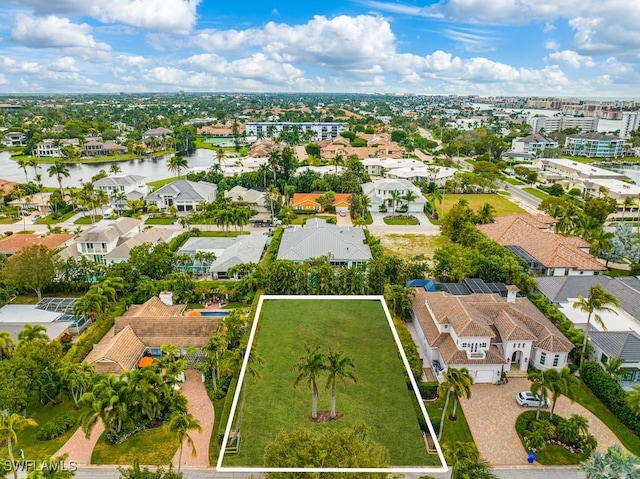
(594, 145)
(316, 131)
(630, 122)
(556, 123)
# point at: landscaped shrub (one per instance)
(609, 391)
(410, 349)
(428, 390)
(56, 428)
(94, 334)
(226, 410)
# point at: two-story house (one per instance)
(380, 190)
(13, 138)
(485, 333)
(95, 243)
(122, 188)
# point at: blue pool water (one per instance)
(214, 313)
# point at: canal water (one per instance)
(151, 168)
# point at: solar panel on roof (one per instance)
(457, 289)
(476, 285)
(499, 288)
(522, 254)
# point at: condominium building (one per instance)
(630, 122)
(594, 145)
(316, 131)
(556, 123)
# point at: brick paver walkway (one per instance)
(492, 411)
(78, 447)
(202, 409)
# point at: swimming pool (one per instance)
(214, 313)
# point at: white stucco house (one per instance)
(379, 191)
(184, 194)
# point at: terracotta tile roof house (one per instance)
(545, 251)
(7, 186)
(377, 146)
(15, 243)
(308, 202)
(486, 333)
(149, 326)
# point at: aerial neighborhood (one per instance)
(204, 281)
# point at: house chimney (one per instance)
(512, 292)
(166, 297)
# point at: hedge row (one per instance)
(56, 428)
(609, 391)
(94, 334)
(428, 390)
(274, 245)
(226, 410)
(410, 349)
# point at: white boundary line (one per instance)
(236, 397)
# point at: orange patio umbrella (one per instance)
(144, 362)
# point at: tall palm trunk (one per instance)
(586, 338)
(538, 410)
(444, 413)
(455, 407)
(12, 458)
(180, 458)
(314, 401)
(333, 400)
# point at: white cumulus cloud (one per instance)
(572, 59)
(53, 32)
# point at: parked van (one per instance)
(108, 214)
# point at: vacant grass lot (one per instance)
(358, 328)
(502, 205)
(408, 245)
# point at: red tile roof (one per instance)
(16, 242)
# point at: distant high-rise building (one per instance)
(555, 123)
(630, 122)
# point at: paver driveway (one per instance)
(200, 406)
(492, 411)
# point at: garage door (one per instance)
(483, 377)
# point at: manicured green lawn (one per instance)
(301, 219)
(152, 446)
(359, 329)
(513, 181)
(86, 220)
(160, 221)
(8, 220)
(48, 220)
(220, 234)
(34, 449)
(537, 193)
(585, 397)
(454, 431)
(400, 220)
(502, 205)
(165, 181)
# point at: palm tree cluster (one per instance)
(465, 461)
(551, 384)
(10, 426)
(90, 198)
(100, 297)
(314, 363)
(224, 353)
(136, 399)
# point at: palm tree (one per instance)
(10, 425)
(180, 423)
(115, 169)
(59, 170)
(408, 198)
(23, 164)
(486, 213)
(613, 366)
(541, 386)
(600, 241)
(598, 300)
(364, 204)
(6, 342)
(395, 197)
(34, 163)
(76, 379)
(436, 196)
(32, 332)
(628, 202)
(561, 383)
(274, 161)
(339, 368)
(220, 155)
(536, 437)
(177, 163)
(309, 368)
(458, 382)
(632, 399)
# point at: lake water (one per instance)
(632, 172)
(151, 168)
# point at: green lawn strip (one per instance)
(221, 234)
(154, 447)
(454, 431)
(513, 181)
(8, 221)
(360, 330)
(160, 221)
(165, 181)
(86, 220)
(586, 398)
(301, 219)
(35, 449)
(400, 220)
(25, 232)
(536, 192)
(49, 220)
(502, 205)
(214, 446)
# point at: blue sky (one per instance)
(586, 48)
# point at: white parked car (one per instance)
(527, 399)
